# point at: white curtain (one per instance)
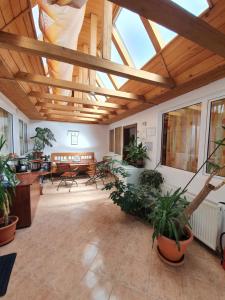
(61, 25)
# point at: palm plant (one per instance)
(8, 182)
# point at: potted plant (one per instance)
(136, 153)
(171, 227)
(42, 138)
(172, 211)
(8, 182)
(134, 199)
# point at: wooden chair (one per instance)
(96, 171)
(67, 174)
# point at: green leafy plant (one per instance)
(152, 178)
(136, 153)
(168, 217)
(42, 138)
(133, 199)
(8, 182)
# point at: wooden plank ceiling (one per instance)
(182, 62)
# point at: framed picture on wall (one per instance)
(73, 137)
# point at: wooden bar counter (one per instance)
(26, 199)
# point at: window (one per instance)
(118, 137)
(115, 57)
(6, 129)
(216, 132)
(164, 35)
(23, 137)
(106, 82)
(132, 31)
(195, 7)
(180, 141)
(111, 140)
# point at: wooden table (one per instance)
(27, 196)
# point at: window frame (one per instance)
(207, 131)
(11, 129)
(161, 135)
(23, 148)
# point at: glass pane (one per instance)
(217, 120)
(6, 122)
(105, 80)
(180, 140)
(163, 34)
(115, 57)
(135, 37)
(195, 7)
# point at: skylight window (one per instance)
(35, 12)
(195, 7)
(115, 57)
(105, 80)
(164, 35)
(135, 37)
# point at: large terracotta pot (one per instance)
(168, 248)
(7, 233)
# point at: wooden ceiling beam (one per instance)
(177, 19)
(54, 117)
(121, 48)
(15, 92)
(151, 34)
(50, 97)
(69, 113)
(72, 108)
(191, 85)
(70, 85)
(107, 29)
(51, 51)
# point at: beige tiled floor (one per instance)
(81, 246)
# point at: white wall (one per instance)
(92, 138)
(17, 114)
(153, 117)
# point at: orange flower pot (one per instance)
(7, 233)
(168, 248)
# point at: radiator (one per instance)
(206, 221)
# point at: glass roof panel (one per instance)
(135, 37)
(115, 57)
(195, 7)
(105, 80)
(164, 35)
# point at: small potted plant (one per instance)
(42, 138)
(136, 153)
(8, 182)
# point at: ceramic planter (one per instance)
(7, 233)
(169, 250)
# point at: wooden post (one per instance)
(93, 45)
(107, 29)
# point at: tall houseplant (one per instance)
(8, 182)
(42, 138)
(136, 153)
(172, 212)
